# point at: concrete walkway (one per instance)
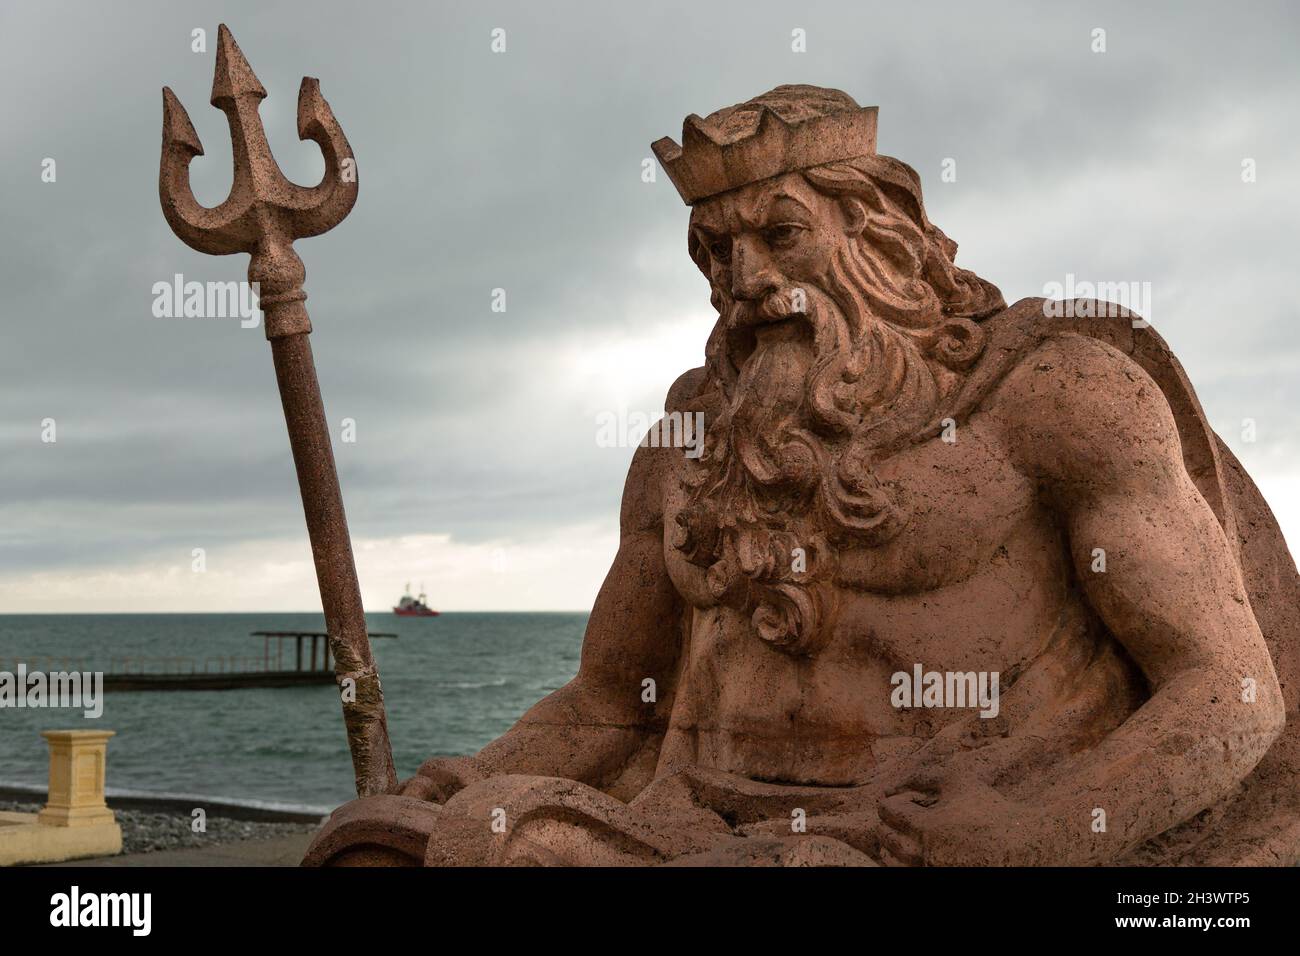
(278, 851)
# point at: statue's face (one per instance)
(767, 238)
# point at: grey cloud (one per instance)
(522, 171)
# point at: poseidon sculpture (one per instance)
(901, 477)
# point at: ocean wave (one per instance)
(471, 684)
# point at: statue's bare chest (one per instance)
(961, 500)
(971, 582)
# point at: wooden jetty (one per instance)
(230, 673)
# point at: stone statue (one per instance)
(951, 582)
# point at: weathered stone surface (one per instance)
(899, 471)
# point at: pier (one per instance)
(225, 672)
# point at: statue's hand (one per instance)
(439, 778)
(955, 819)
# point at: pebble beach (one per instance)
(147, 831)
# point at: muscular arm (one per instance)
(1097, 433)
(595, 726)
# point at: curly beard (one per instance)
(802, 405)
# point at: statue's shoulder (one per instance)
(651, 467)
(1067, 374)
(684, 390)
(1091, 383)
(1077, 347)
(1077, 394)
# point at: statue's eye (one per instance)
(781, 235)
(720, 249)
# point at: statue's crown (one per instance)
(788, 128)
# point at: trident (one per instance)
(262, 216)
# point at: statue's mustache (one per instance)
(741, 319)
(773, 307)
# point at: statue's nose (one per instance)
(752, 275)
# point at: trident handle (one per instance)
(336, 574)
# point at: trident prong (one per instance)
(264, 212)
(262, 216)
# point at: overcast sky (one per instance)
(476, 467)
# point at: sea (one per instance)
(451, 684)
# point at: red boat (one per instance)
(414, 607)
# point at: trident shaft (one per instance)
(262, 216)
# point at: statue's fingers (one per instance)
(885, 858)
(778, 827)
(904, 850)
(904, 811)
(928, 781)
(434, 781)
(419, 787)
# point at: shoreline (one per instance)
(170, 831)
(225, 808)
